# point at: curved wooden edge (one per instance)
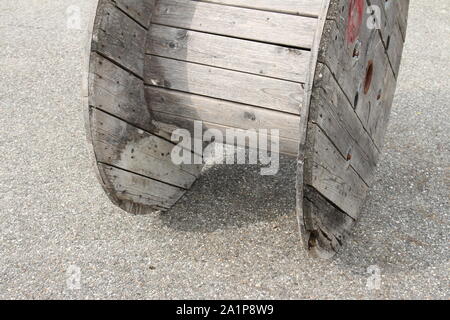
(131, 153)
(305, 228)
(85, 96)
(349, 95)
(89, 71)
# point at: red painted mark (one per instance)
(355, 19)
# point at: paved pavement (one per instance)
(235, 235)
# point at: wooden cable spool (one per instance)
(323, 72)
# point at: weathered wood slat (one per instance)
(364, 57)
(389, 12)
(229, 53)
(344, 57)
(393, 28)
(221, 112)
(286, 146)
(375, 97)
(393, 13)
(335, 116)
(304, 214)
(347, 50)
(329, 173)
(403, 16)
(380, 106)
(395, 49)
(132, 188)
(139, 10)
(119, 38)
(331, 226)
(297, 7)
(350, 101)
(121, 145)
(119, 92)
(236, 22)
(224, 84)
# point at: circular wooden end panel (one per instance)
(132, 154)
(350, 101)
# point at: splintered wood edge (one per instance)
(326, 218)
(304, 115)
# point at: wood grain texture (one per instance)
(286, 146)
(118, 92)
(348, 109)
(224, 84)
(270, 27)
(394, 15)
(124, 146)
(371, 86)
(221, 112)
(140, 194)
(140, 10)
(130, 150)
(297, 7)
(331, 226)
(119, 38)
(336, 117)
(330, 174)
(229, 53)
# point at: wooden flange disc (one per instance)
(349, 98)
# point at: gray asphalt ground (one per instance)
(235, 235)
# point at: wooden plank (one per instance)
(363, 57)
(139, 10)
(331, 226)
(221, 112)
(132, 189)
(335, 116)
(118, 92)
(304, 214)
(348, 50)
(393, 29)
(393, 14)
(403, 16)
(389, 11)
(286, 146)
(395, 49)
(121, 145)
(295, 31)
(329, 173)
(119, 38)
(229, 53)
(374, 86)
(381, 107)
(344, 57)
(297, 7)
(228, 85)
(351, 96)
